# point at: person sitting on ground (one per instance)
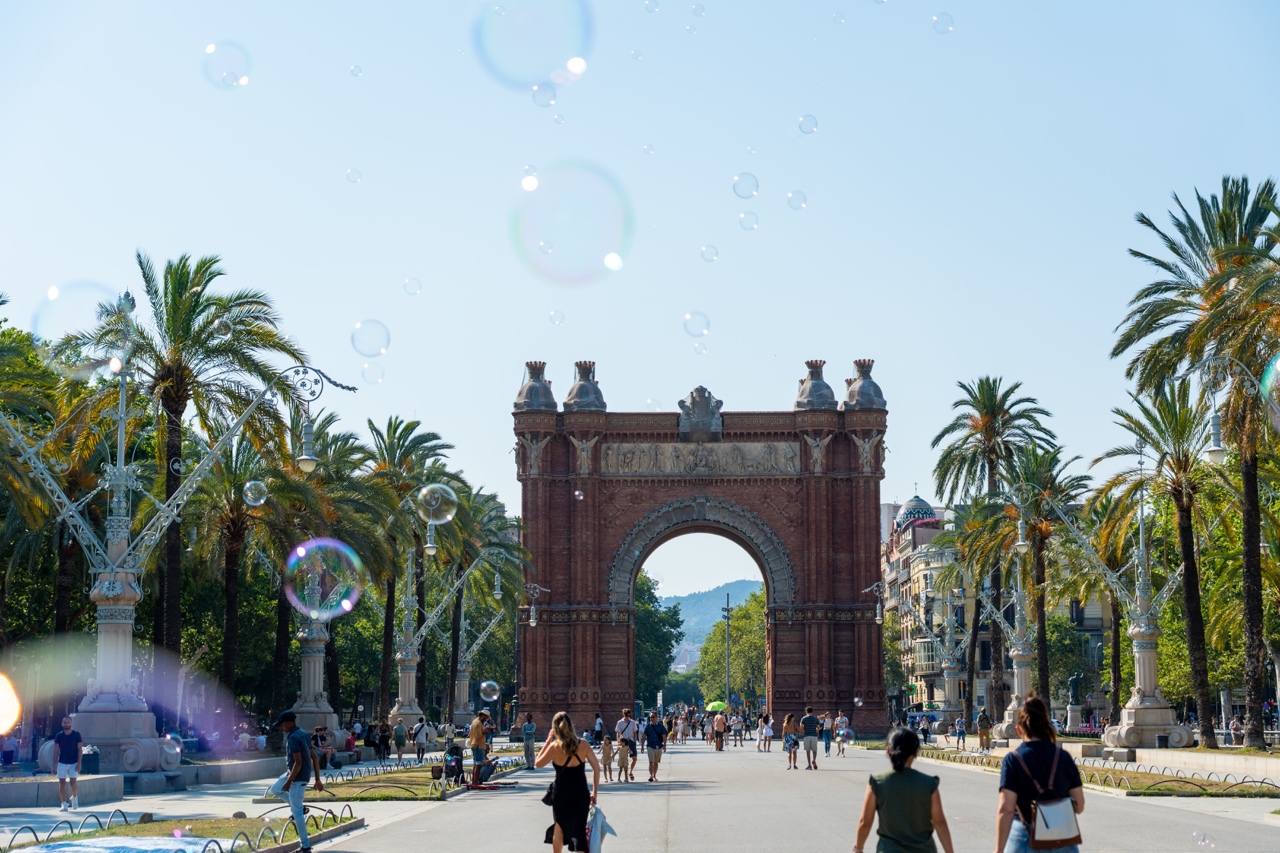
(905, 801)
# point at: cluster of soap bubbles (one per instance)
(490, 691)
(227, 65)
(574, 225)
(370, 338)
(71, 308)
(323, 578)
(697, 325)
(1202, 839)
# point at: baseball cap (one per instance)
(286, 717)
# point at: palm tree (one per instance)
(400, 462)
(1176, 431)
(1109, 522)
(1039, 477)
(202, 349)
(1195, 311)
(993, 421)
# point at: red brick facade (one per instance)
(814, 535)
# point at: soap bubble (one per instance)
(697, 324)
(499, 10)
(1202, 839)
(255, 493)
(710, 253)
(652, 405)
(943, 24)
(1270, 387)
(529, 182)
(373, 373)
(370, 338)
(558, 119)
(748, 221)
(490, 691)
(809, 124)
(412, 286)
(846, 734)
(699, 10)
(353, 176)
(356, 71)
(556, 317)
(691, 29)
(796, 200)
(544, 94)
(222, 329)
(545, 248)
(745, 185)
(533, 38)
(857, 701)
(226, 65)
(322, 578)
(700, 347)
(651, 5)
(751, 149)
(72, 308)
(648, 149)
(10, 705)
(838, 18)
(578, 494)
(577, 66)
(437, 503)
(583, 212)
(635, 54)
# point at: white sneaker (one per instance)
(64, 806)
(75, 803)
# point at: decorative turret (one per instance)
(815, 393)
(585, 394)
(535, 394)
(863, 392)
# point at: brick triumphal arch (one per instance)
(799, 490)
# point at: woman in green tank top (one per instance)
(906, 801)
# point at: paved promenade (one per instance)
(737, 801)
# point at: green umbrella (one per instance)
(716, 706)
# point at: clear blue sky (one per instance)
(970, 196)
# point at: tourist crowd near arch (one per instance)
(799, 490)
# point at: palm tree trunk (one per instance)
(171, 594)
(1042, 629)
(1113, 713)
(1194, 614)
(65, 582)
(1255, 672)
(388, 651)
(231, 615)
(280, 657)
(455, 632)
(971, 661)
(996, 699)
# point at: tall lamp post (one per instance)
(114, 715)
(728, 615)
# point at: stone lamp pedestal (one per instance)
(313, 708)
(1020, 652)
(407, 658)
(951, 705)
(1147, 714)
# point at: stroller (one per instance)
(453, 762)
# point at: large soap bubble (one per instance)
(226, 65)
(490, 691)
(72, 308)
(582, 211)
(322, 578)
(531, 39)
(437, 503)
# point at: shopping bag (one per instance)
(597, 828)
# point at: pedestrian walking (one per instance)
(766, 732)
(478, 744)
(598, 731)
(302, 766)
(842, 732)
(984, 731)
(904, 803)
(655, 741)
(529, 731)
(419, 735)
(828, 732)
(791, 740)
(628, 732)
(736, 727)
(384, 741)
(606, 758)
(1039, 775)
(10, 749)
(718, 727)
(571, 800)
(67, 743)
(401, 736)
(961, 731)
(811, 726)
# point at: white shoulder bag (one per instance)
(1053, 821)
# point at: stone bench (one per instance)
(43, 792)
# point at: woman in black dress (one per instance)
(569, 755)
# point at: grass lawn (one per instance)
(201, 828)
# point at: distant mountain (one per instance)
(701, 610)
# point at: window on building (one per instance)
(984, 655)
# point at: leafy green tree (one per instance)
(891, 650)
(992, 422)
(747, 651)
(682, 687)
(658, 631)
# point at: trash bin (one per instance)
(89, 763)
(1162, 741)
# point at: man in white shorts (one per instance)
(735, 725)
(67, 744)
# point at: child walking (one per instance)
(606, 758)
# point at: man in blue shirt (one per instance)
(303, 765)
(812, 728)
(67, 744)
(655, 740)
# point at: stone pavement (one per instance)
(733, 801)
